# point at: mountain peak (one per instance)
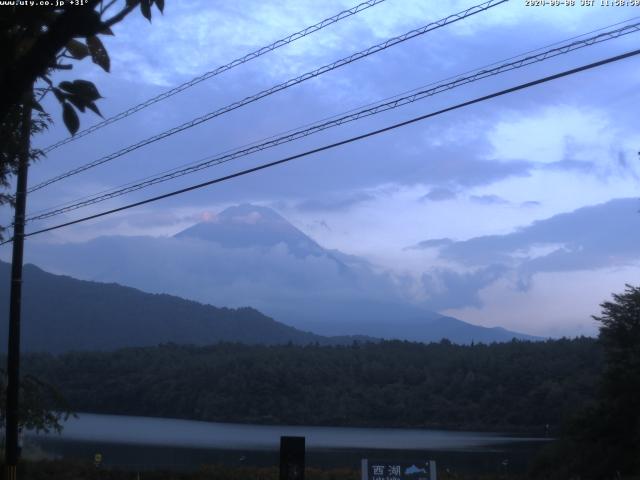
(249, 214)
(246, 225)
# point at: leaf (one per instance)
(160, 5)
(145, 8)
(82, 94)
(104, 30)
(99, 54)
(93, 107)
(68, 86)
(60, 95)
(36, 106)
(83, 88)
(87, 89)
(87, 24)
(78, 102)
(70, 118)
(77, 49)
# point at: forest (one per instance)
(514, 386)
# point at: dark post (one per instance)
(291, 458)
(13, 357)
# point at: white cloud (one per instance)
(552, 133)
(556, 304)
(197, 36)
(398, 218)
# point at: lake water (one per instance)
(142, 442)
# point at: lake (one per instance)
(144, 443)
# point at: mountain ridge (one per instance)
(61, 313)
(251, 255)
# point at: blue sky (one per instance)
(482, 180)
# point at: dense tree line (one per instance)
(515, 386)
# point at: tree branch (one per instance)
(119, 16)
(106, 7)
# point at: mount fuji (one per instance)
(250, 256)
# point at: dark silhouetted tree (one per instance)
(602, 441)
(619, 410)
(43, 409)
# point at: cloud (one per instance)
(518, 135)
(566, 137)
(453, 166)
(575, 165)
(201, 34)
(593, 237)
(555, 304)
(431, 243)
(334, 202)
(439, 194)
(489, 200)
(208, 217)
(446, 289)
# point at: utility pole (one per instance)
(12, 452)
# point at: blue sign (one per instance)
(398, 470)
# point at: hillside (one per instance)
(61, 313)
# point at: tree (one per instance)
(42, 409)
(619, 409)
(603, 440)
(37, 41)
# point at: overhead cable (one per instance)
(334, 122)
(214, 181)
(270, 91)
(217, 71)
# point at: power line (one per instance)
(282, 86)
(343, 142)
(217, 71)
(336, 121)
(325, 119)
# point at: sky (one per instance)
(518, 212)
